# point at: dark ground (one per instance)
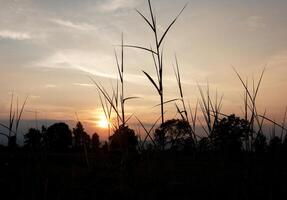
(156, 175)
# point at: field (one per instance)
(147, 175)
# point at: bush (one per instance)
(123, 139)
(229, 133)
(174, 133)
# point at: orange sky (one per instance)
(47, 49)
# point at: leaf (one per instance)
(122, 53)
(258, 85)
(129, 98)
(180, 112)
(139, 47)
(4, 134)
(166, 31)
(6, 127)
(21, 112)
(105, 94)
(177, 74)
(151, 14)
(148, 131)
(103, 107)
(177, 99)
(244, 85)
(129, 118)
(152, 81)
(118, 66)
(155, 65)
(147, 21)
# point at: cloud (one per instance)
(89, 62)
(50, 86)
(114, 5)
(79, 60)
(13, 35)
(279, 60)
(84, 84)
(255, 23)
(77, 26)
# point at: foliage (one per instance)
(58, 136)
(173, 133)
(123, 139)
(157, 53)
(95, 142)
(33, 139)
(260, 143)
(81, 138)
(275, 145)
(229, 133)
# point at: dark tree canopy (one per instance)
(33, 139)
(174, 132)
(123, 139)
(229, 133)
(95, 143)
(58, 136)
(275, 144)
(81, 138)
(260, 143)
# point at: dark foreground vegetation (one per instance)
(57, 163)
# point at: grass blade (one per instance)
(166, 31)
(152, 81)
(142, 48)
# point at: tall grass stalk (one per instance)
(211, 110)
(183, 112)
(15, 116)
(148, 132)
(115, 101)
(157, 53)
(251, 113)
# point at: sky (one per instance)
(49, 48)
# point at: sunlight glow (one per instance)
(102, 122)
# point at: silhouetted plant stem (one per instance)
(15, 117)
(251, 96)
(158, 53)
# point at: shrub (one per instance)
(173, 133)
(123, 139)
(229, 133)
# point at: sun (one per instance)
(102, 122)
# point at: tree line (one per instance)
(59, 137)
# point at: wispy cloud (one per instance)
(102, 65)
(255, 23)
(74, 59)
(50, 86)
(73, 25)
(83, 84)
(279, 60)
(14, 35)
(114, 5)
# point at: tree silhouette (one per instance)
(204, 144)
(95, 143)
(284, 144)
(123, 139)
(32, 139)
(58, 136)
(275, 145)
(229, 133)
(174, 133)
(260, 143)
(82, 139)
(12, 141)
